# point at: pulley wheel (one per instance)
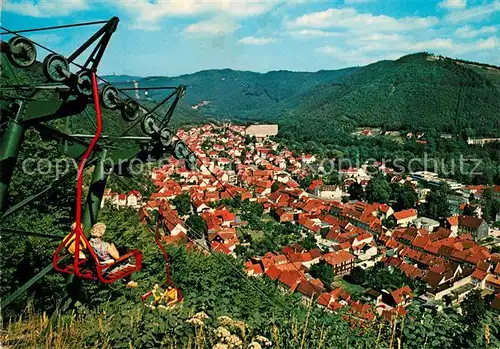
(191, 162)
(84, 82)
(23, 52)
(130, 110)
(180, 150)
(148, 125)
(166, 137)
(54, 67)
(109, 97)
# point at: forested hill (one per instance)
(238, 94)
(419, 91)
(416, 92)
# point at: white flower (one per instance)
(222, 332)
(201, 315)
(195, 321)
(234, 341)
(254, 345)
(263, 340)
(220, 346)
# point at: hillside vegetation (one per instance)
(238, 94)
(415, 92)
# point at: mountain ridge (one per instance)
(416, 91)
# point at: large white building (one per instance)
(262, 131)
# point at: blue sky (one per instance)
(172, 37)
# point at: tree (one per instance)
(358, 275)
(252, 212)
(309, 242)
(275, 186)
(196, 227)
(473, 308)
(182, 204)
(437, 205)
(356, 191)
(469, 210)
(324, 272)
(490, 204)
(389, 222)
(378, 190)
(404, 196)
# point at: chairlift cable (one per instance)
(53, 27)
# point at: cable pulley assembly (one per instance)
(56, 68)
(20, 51)
(109, 97)
(130, 110)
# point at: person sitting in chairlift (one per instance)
(108, 253)
(70, 244)
(160, 297)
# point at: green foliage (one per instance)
(324, 272)
(182, 204)
(358, 276)
(490, 204)
(437, 205)
(197, 226)
(252, 212)
(404, 196)
(356, 192)
(378, 190)
(309, 242)
(413, 92)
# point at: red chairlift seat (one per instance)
(91, 268)
(168, 281)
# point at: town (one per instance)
(252, 198)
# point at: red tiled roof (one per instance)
(405, 214)
(335, 258)
(400, 294)
(273, 273)
(479, 274)
(469, 222)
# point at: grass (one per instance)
(35, 330)
(353, 289)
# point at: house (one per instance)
(426, 223)
(342, 262)
(262, 131)
(452, 224)
(308, 159)
(333, 192)
(134, 198)
(284, 216)
(405, 217)
(400, 297)
(477, 227)
(173, 223)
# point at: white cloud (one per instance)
(252, 40)
(469, 32)
(453, 4)
(473, 13)
(316, 33)
(351, 19)
(212, 27)
(356, 57)
(147, 14)
(45, 8)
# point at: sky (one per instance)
(174, 37)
